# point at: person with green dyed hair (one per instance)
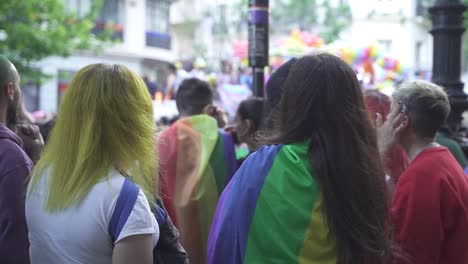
(104, 135)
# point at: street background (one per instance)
(386, 42)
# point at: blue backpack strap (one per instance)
(159, 213)
(124, 206)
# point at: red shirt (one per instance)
(430, 210)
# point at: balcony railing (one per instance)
(117, 30)
(158, 40)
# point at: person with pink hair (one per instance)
(397, 161)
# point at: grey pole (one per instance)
(258, 42)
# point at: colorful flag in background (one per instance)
(272, 212)
(196, 162)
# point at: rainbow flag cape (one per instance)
(197, 160)
(272, 212)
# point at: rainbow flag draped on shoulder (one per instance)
(197, 160)
(272, 212)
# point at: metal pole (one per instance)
(258, 42)
(447, 30)
(259, 81)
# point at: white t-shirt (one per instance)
(79, 234)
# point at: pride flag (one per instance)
(272, 212)
(196, 162)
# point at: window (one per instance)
(157, 16)
(80, 7)
(222, 20)
(387, 7)
(112, 11)
(157, 23)
(111, 16)
(422, 6)
(464, 61)
(386, 45)
(417, 55)
(64, 79)
(31, 95)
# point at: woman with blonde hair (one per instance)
(102, 140)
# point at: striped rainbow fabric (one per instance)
(271, 212)
(196, 162)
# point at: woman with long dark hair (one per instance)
(317, 195)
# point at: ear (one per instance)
(405, 125)
(230, 129)
(9, 91)
(250, 125)
(209, 110)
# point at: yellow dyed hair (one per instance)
(105, 121)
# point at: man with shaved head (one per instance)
(15, 166)
(10, 92)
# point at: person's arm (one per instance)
(169, 86)
(24, 115)
(135, 241)
(417, 222)
(134, 249)
(13, 230)
(216, 113)
(33, 143)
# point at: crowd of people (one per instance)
(227, 75)
(332, 174)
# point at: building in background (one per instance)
(152, 33)
(207, 28)
(400, 27)
(141, 30)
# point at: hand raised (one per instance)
(389, 132)
(33, 143)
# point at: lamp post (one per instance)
(447, 30)
(258, 42)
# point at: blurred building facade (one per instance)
(400, 27)
(141, 31)
(206, 29)
(152, 33)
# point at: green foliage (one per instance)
(35, 29)
(466, 14)
(241, 9)
(286, 14)
(299, 12)
(337, 19)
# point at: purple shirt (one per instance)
(15, 166)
